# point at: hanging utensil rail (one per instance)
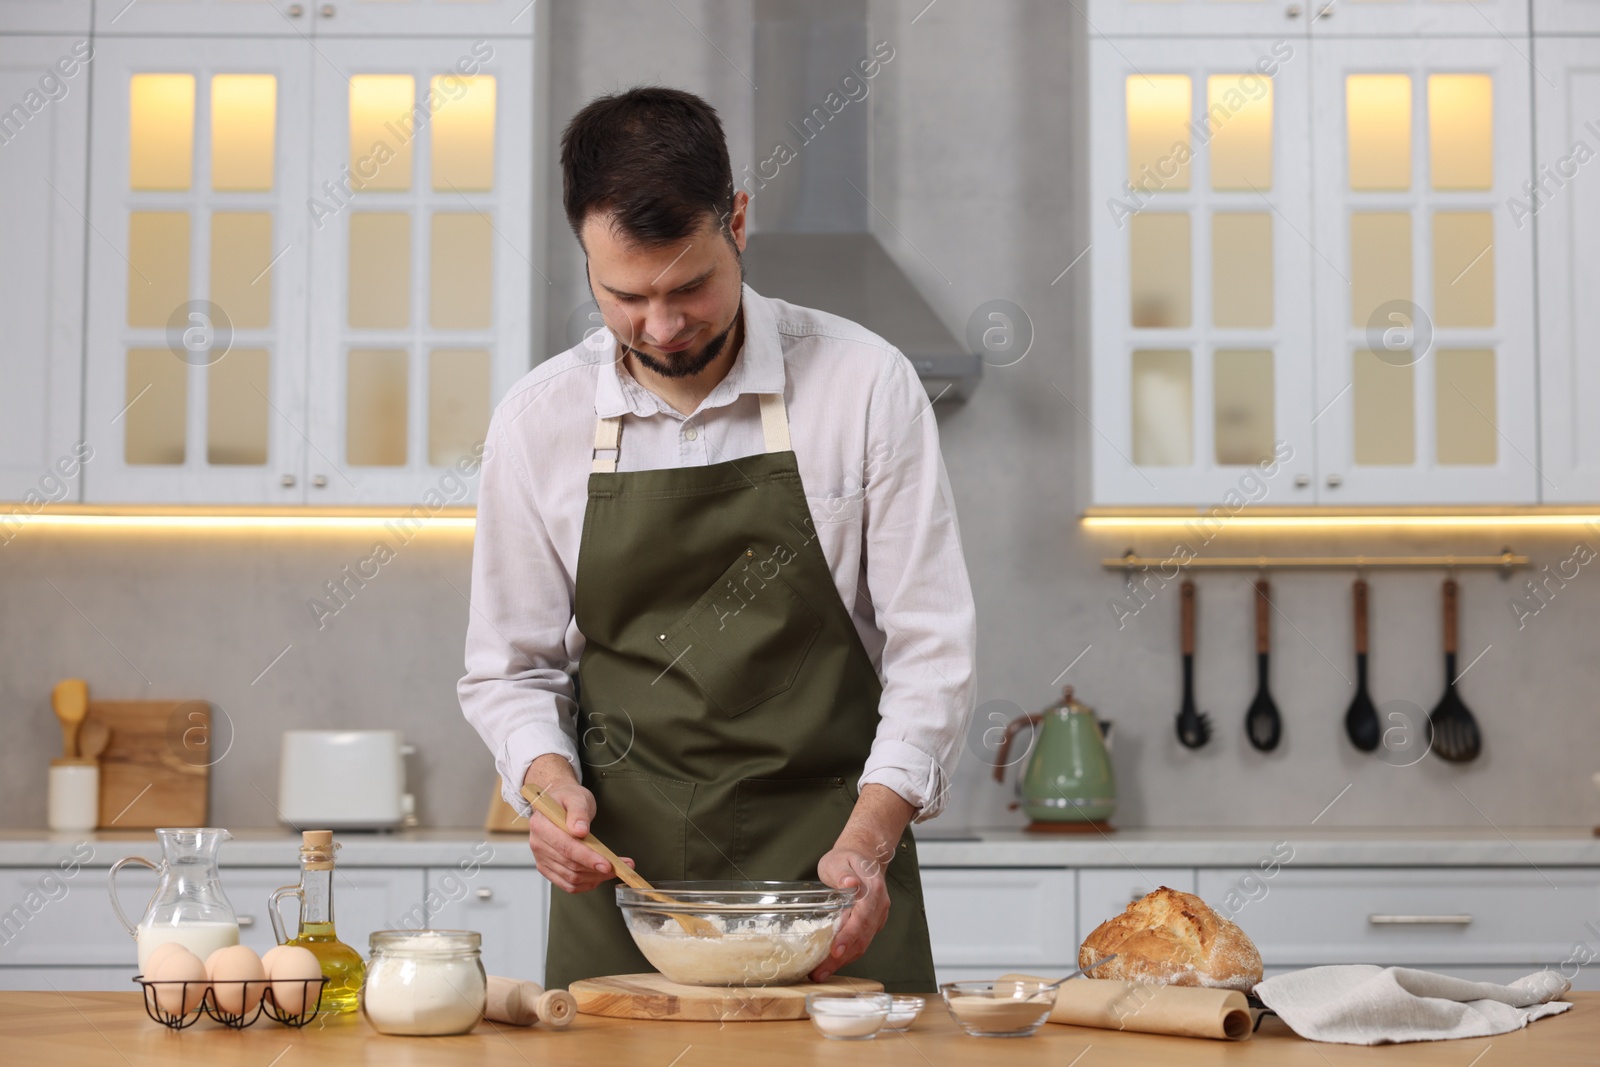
(1506, 561)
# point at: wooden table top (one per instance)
(68, 1029)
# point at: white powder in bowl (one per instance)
(765, 950)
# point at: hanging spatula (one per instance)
(1361, 721)
(1194, 727)
(1262, 723)
(1454, 731)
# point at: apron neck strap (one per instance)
(774, 429)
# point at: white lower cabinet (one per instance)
(985, 922)
(1470, 922)
(507, 906)
(1104, 893)
(364, 899)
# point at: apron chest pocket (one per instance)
(746, 638)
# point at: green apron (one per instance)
(726, 703)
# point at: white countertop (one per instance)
(938, 847)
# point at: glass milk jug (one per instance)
(189, 906)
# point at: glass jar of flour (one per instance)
(424, 982)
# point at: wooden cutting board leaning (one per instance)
(156, 769)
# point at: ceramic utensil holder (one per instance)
(74, 801)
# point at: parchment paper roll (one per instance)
(1183, 1011)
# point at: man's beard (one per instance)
(687, 364)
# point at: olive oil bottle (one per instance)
(341, 964)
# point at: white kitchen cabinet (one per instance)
(302, 307)
(194, 18)
(421, 280)
(508, 906)
(1104, 893)
(1227, 18)
(1566, 16)
(1414, 18)
(44, 16)
(43, 170)
(316, 18)
(364, 899)
(1565, 212)
(1416, 917)
(998, 920)
(1425, 335)
(1202, 279)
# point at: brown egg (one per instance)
(178, 965)
(237, 979)
(156, 955)
(291, 969)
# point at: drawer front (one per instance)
(507, 906)
(1104, 893)
(51, 916)
(1008, 919)
(1585, 978)
(65, 979)
(1415, 917)
(364, 899)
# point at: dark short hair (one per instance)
(653, 157)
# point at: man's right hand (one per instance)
(559, 851)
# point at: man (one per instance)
(774, 643)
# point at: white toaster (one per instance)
(344, 780)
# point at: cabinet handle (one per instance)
(1302, 480)
(287, 481)
(485, 893)
(1419, 920)
(296, 10)
(246, 921)
(319, 480)
(1325, 11)
(1334, 481)
(1292, 11)
(327, 11)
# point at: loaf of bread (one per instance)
(1173, 938)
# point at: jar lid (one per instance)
(425, 942)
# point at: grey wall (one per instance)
(977, 162)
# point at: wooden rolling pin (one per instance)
(519, 1003)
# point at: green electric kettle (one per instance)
(1068, 784)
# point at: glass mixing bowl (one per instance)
(769, 933)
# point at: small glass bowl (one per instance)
(848, 1016)
(904, 1011)
(999, 1009)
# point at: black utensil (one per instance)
(1453, 730)
(1194, 727)
(1262, 724)
(1361, 721)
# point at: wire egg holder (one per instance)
(268, 1002)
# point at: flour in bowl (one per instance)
(764, 950)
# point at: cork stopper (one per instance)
(317, 849)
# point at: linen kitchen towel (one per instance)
(1367, 1005)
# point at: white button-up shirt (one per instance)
(868, 450)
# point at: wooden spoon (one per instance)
(94, 738)
(70, 698)
(547, 806)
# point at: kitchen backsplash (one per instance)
(975, 165)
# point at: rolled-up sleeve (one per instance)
(516, 691)
(920, 591)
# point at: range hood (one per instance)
(809, 241)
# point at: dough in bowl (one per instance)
(1173, 938)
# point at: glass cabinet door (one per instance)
(1224, 18)
(1201, 272)
(42, 171)
(377, 18)
(1565, 211)
(196, 326)
(1425, 356)
(422, 252)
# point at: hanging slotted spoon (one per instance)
(1262, 723)
(1361, 721)
(1194, 727)
(1453, 730)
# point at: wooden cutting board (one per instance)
(651, 996)
(156, 771)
